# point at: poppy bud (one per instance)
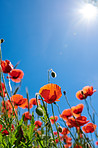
(53, 74)
(64, 92)
(39, 111)
(60, 129)
(2, 40)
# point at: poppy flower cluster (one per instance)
(73, 111)
(50, 93)
(85, 92)
(64, 137)
(4, 130)
(76, 122)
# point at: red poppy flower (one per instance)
(18, 100)
(6, 66)
(12, 127)
(33, 101)
(27, 116)
(80, 95)
(67, 140)
(77, 146)
(38, 124)
(5, 132)
(66, 114)
(50, 93)
(16, 75)
(85, 92)
(55, 133)
(6, 105)
(66, 146)
(77, 110)
(89, 128)
(96, 143)
(88, 90)
(53, 119)
(25, 104)
(65, 131)
(2, 90)
(56, 140)
(76, 122)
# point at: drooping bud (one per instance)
(39, 111)
(64, 92)
(53, 74)
(1, 41)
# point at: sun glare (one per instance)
(89, 12)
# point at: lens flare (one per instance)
(89, 12)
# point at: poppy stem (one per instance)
(56, 125)
(0, 80)
(10, 86)
(0, 61)
(49, 122)
(28, 100)
(65, 123)
(49, 75)
(87, 106)
(37, 99)
(67, 101)
(92, 106)
(10, 99)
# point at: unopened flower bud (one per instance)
(60, 129)
(39, 111)
(64, 92)
(1, 41)
(53, 74)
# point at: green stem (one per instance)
(56, 125)
(49, 122)
(65, 123)
(1, 83)
(28, 100)
(93, 107)
(48, 76)
(9, 98)
(87, 106)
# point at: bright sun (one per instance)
(89, 12)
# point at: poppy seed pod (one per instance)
(1, 41)
(53, 74)
(60, 129)
(64, 92)
(39, 111)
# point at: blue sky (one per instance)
(44, 34)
